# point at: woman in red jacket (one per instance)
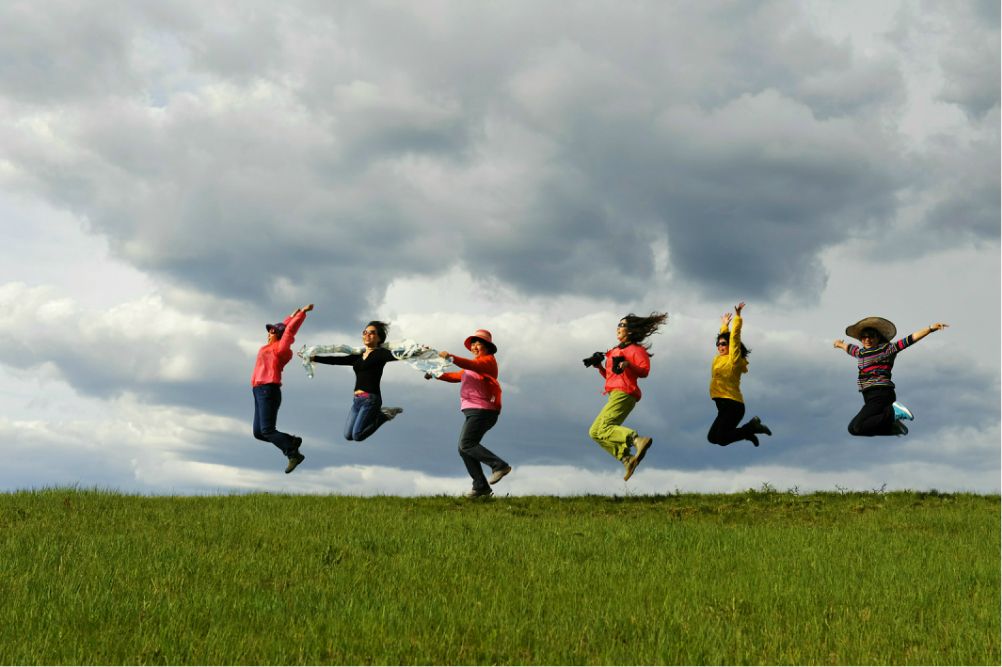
(266, 383)
(623, 366)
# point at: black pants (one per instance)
(477, 423)
(876, 417)
(725, 429)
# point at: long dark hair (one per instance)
(380, 328)
(638, 328)
(726, 336)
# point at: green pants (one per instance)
(608, 430)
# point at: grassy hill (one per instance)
(761, 577)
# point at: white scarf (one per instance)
(420, 357)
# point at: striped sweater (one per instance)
(875, 363)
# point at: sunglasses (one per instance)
(370, 332)
(723, 343)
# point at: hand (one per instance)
(839, 344)
(444, 354)
(937, 326)
(725, 320)
(738, 308)
(307, 308)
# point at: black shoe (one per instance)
(294, 460)
(759, 427)
(753, 438)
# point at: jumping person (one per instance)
(623, 365)
(480, 403)
(881, 413)
(725, 385)
(367, 413)
(266, 384)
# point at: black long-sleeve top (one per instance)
(368, 371)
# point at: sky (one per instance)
(175, 175)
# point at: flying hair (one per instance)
(639, 328)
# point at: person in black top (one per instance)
(367, 413)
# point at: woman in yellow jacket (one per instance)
(725, 386)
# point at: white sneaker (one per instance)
(473, 493)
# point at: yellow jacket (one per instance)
(725, 377)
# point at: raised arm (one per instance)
(922, 333)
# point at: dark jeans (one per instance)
(477, 423)
(724, 429)
(364, 417)
(267, 401)
(876, 417)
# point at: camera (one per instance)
(617, 365)
(594, 360)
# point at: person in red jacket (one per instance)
(266, 384)
(480, 403)
(623, 365)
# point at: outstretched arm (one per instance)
(841, 344)
(922, 333)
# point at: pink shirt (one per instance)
(273, 357)
(480, 388)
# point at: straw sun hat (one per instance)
(884, 327)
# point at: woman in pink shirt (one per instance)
(480, 402)
(266, 383)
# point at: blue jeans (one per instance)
(477, 423)
(267, 401)
(364, 417)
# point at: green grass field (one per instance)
(761, 577)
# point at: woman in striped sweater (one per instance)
(881, 413)
(725, 385)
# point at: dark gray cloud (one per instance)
(271, 154)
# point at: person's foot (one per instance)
(753, 439)
(900, 428)
(901, 412)
(390, 413)
(478, 493)
(498, 474)
(759, 427)
(294, 460)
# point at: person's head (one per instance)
(275, 331)
(634, 328)
(875, 330)
(480, 343)
(870, 337)
(724, 346)
(374, 333)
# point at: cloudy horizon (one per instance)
(173, 177)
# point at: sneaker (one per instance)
(478, 493)
(901, 412)
(498, 474)
(759, 427)
(900, 428)
(753, 439)
(642, 444)
(390, 413)
(294, 461)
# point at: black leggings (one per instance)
(876, 417)
(724, 429)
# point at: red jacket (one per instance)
(640, 366)
(273, 357)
